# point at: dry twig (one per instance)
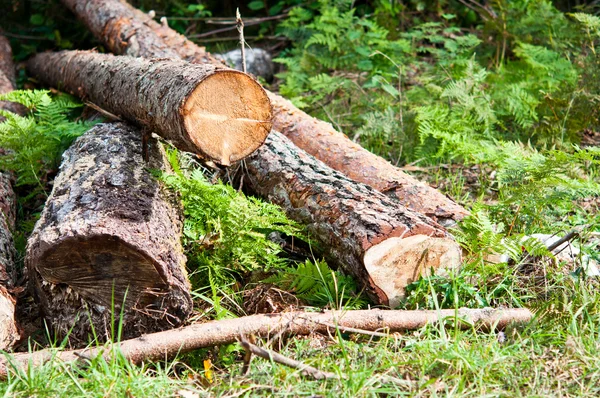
(282, 359)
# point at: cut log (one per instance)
(109, 237)
(216, 112)
(126, 30)
(7, 77)
(383, 244)
(9, 332)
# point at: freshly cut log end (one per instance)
(228, 116)
(396, 262)
(221, 114)
(381, 243)
(108, 241)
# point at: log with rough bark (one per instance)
(158, 346)
(7, 77)
(9, 332)
(216, 112)
(109, 237)
(383, 244)
(126, 30)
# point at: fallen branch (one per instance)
(282, 359)
(168, 344)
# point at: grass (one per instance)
(557, 354)
(547, 358)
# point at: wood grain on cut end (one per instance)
(104, 269)
(396, 262)
(228, 115)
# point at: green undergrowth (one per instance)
(35, 142)
(228, 236)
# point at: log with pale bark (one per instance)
(9, 332)
(108, 241)
(216, 112)
(168, 344)
(126, 30)
(360, 230)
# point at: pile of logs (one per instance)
(108, 240)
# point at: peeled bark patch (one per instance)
(109, 237)
(383, 244)
(218, 113)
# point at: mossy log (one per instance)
(219, 113)
(9, 332)
(126, 30)
(109, 238)
(383, 244)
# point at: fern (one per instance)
(225, 232)
(35, 142)
(316, 284)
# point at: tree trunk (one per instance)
(9, 332)
(109, 237)
(384, 245)
(219, 113)
(126, 30)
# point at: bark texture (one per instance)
(123, 28)
(7, 76)
(383, 244)
(219, 113)
(158, 346)
(109, 236)
(9, 332)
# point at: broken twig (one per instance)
(282, 359)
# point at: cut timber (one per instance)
(168, 344)
(126, 30)
(218, 113)
(384, 245)
(9, 332)
(7, 77)
(109, 234)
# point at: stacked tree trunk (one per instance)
(9, 332)
(382, 244)
(372, 237)
(107, 243)
(126, 30)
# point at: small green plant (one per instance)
(35, 142)
(225, 232)
(316, 284)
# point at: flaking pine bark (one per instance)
(109, 238)
(384, 245)
(9, 332)
(126, 30)
(216, 112)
